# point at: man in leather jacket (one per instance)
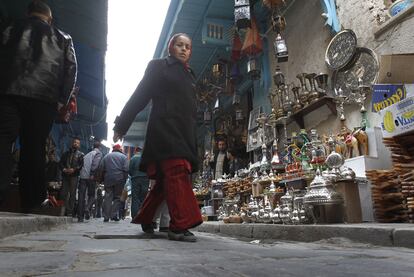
(37, 74)
(71, 164)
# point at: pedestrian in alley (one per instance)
(87, 182)
(38, 73)
(115, 172)
(71, 164)
(220, 163)
(99, 201)
(139, 182)
(170, 150)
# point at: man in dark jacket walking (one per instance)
(87, 182)
(71, 163)
(115, 172)
(38, 73)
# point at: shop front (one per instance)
(306, 107)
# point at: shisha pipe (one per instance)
(272, 120)
(261, 120)
(363, 91)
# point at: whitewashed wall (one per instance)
(307, 39)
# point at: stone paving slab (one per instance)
(14, 223)
(401, 235)
(95, 248)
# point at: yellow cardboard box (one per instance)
(398, 119)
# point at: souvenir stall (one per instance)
(303, 172)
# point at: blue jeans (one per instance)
(139, 189)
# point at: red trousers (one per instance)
(173, 184)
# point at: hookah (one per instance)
(264, 163)
(296, 105)
(276, 163)
(363, 91)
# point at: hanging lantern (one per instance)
(281, 50)
(278, 77)
(273, 4)
(236, 99)
(207, 116)
(236, 47)
(253, 44)
(216, 105)
(239, 114)
(217, 70)
(278, 23)
(242, 13)
(235, 75)
(253, 68)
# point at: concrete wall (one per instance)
(307, 38)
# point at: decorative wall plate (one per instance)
(365, 66)
(341, 49)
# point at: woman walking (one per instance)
(170, 151)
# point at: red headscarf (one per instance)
(171, 46)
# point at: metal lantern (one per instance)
(235, 75)
(216, 105)
(278, 77)
(236, 99)
(242, 13)
(253, 68)
(217, 70)
(207, 116)
(281, 50)
(239, 114)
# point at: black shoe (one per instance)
(163, 229)
(106, 219)
(87, 216)
(115, 219)
(147, 228)
(185, 235)
(80, 219)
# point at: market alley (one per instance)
(121, 249)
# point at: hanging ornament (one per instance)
(235, 75)
(253, 46)
(278, 23)
(273, 4)
(207, 115)
(236, 48)
(281, 50)
(242, 13)
(253, 68)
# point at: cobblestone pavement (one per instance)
(118, 249)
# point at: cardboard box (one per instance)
(396, 69)
(385, 95)
(352, 202)
(398, 119)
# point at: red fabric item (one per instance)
(172, 184)
(253, 44)
(236, 49)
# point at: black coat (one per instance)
(71, 159)
(37, 61)
(171, 131)
(226, 165)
